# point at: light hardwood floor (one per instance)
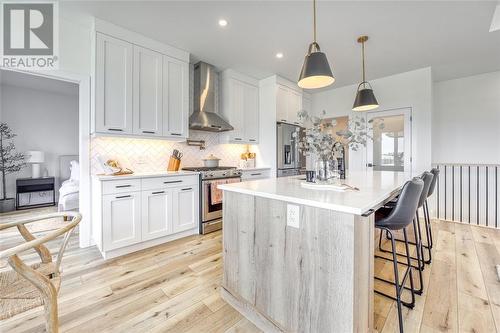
(175, 288)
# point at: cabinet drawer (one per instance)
(121, 186)
(166, 182)
(255, 174)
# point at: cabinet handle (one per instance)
(215, 126)
(122, 186)
(123, 196)
(253, 140)
(255, 174)
(173, 182)
(159, 192)
(237, 139)
(187, 189)
(176, 134)
(149, 132)
(283, 120)
(115, 129)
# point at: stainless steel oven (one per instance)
(211, 212)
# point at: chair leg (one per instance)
(408, 259)
(51, 316)
(396, 285)
(420, 263)
(426, 206)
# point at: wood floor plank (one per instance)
(474, 314)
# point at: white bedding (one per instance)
(69, 195)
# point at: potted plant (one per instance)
(10, 162)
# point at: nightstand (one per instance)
(33, 186)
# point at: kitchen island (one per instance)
(301, 260)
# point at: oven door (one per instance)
(211, 211)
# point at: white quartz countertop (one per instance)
(146, 175)
(375, 188)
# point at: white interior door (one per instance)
(390, 149)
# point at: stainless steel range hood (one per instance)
(205, 117)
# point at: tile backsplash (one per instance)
(146, 155)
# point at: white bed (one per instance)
(69, 171)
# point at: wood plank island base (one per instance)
(313, 273)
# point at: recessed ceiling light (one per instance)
(279, 55)
(222, 22)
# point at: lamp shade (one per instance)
(365, 99)
(316, 72)
(35, 156)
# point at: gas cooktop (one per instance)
(201, 168)
(215, 172)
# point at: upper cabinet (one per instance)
(240, 107)
(141, 86)
(175, 97)
(148, 109)
(113, 85)
(288, 104)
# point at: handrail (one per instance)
(468, 193)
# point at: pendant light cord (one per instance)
(363, 55)
(314, 20)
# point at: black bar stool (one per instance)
(435, 172)
(419, 246)
(399, 218)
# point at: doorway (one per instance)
(390, 149)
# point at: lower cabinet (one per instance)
(122, 213)
(186, 203)
(156, 208)
(156, 214)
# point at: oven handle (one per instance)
(209, 181)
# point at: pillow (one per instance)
(75, 171)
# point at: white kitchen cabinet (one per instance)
(251, 113)
(156, 214)
(135, 212)
(113, 85)
(141, 86)
(122, 213)
(288, 104)
(253, 174)
(240, 107)
(148, 114)
(186, 203)
(175, 97)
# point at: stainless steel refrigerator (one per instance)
(290, 161)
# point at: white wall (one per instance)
(466, 120)
(43, 121)
(411, 89)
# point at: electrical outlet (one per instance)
(292, 216)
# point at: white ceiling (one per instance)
(451, 37)
(35, 82)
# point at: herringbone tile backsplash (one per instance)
(146, 155)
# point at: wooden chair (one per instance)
(26, 286)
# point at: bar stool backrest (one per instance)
(406, 206)
(435, 172)
(427, 178)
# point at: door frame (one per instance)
(85, 202)
(408, 113)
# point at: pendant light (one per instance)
(365, 99)
(316, 72)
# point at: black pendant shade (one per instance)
(365, 99)
(316, 72)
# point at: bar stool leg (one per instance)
(396, 284)
(408, 260)
(426, 207)
(420, 263)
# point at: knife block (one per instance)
(173, 164)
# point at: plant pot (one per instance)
(7, 205)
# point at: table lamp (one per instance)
(34, 158)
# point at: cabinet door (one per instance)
(235, 117)
(294, 106)
(113, 87)
(186, 208)
(156, 214)
(251, 113)
(121, 220)
(282, 104)
(147, 92)
(175, 97)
